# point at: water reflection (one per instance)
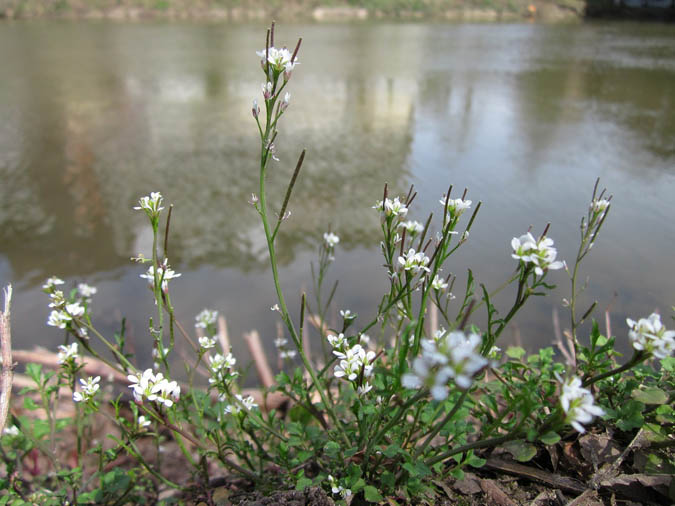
(525, 116)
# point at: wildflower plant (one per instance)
(372, 419)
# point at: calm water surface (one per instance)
(525, 116)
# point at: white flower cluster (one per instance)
(154, 387)
(11, 431)
(143, 423)
(455, 207)
(413, 262)
(336, 488)
(164, 273)
(222, 368)
(356, 364)
(63, 310)
(279, 59)
(439, 284)
(347, 315)
(390, 208)
(541, 253)
(67, 353)
(330, 239)
(577, 402)
(450, 356)
(152, 204)
(207, 343)
(51, 283)
(247, 402)
(281, 343)
(649, 334)
(61, 317)
(205, 318)
(599, 206)
(89, 388)
(412, 227)
(86, 291)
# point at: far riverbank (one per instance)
(482, 11)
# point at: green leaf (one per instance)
(34, 372)
(476, 462)
(550, 438)
(371, 494)
(332, 449)
(29, 404)
(650, 395)
(515, 352)
(391, 451)
(457, 473)
(357, 485)
(521, 450)
(302, 483)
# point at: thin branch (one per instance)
(6, 341)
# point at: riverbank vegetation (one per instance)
(317, 10)
(418, 403)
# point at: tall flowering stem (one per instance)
(589, 228)
(278, 65)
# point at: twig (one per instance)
(223, 335)
(554, 480)
(258, 354)
(6, 341)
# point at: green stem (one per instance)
(442, 423)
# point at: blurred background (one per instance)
(97, 113)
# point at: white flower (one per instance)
(51, 283)
(337, 488)
(67, 353)
(364, 389)
(354, 362)
(280, 342)
(248, 403)
(541, 253)
(577, 402)
(206, 317)
(279, 59)
(207, 342)
(390, 208)
(599, 206)
(11, 431)
(337, 342)
(413, 262)
(449, 356)
(222, 368)
(275, 307)
(75, 309)
(287, 354)
(143, 422)
(347, 315)
(413, 227)
(164, 273)
(58, 319)
(154, 387)
(438, 283)
(331, 240)
(152, 204)
(285, 101)
(649, 334)
(86, 291)
(89, 388)
(58, 300)
(456, 207)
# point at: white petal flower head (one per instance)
(152, 204)
(413, 262)
(164, 273)
(58, 319)
(205, 318)
(347, 315)
(337, 342)
(541, 253)
(12, 431)
(287, 354)
(649, 334)
(390, 208)
(281, 60)
(412, 227)
(439, 283)
(456, 207)
(599, 206)
(75, 309)
(207, 342)
(578, 404)
(522, 247)
(331, 240)
(51, 283)
(143, 422)
(67, 353)
(86, 290)
(280, 342)
(89, 388)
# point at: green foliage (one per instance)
(376, 419)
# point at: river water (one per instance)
(95, 115)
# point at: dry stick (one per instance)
(6, 341)
(223, 335)
(257, 353)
